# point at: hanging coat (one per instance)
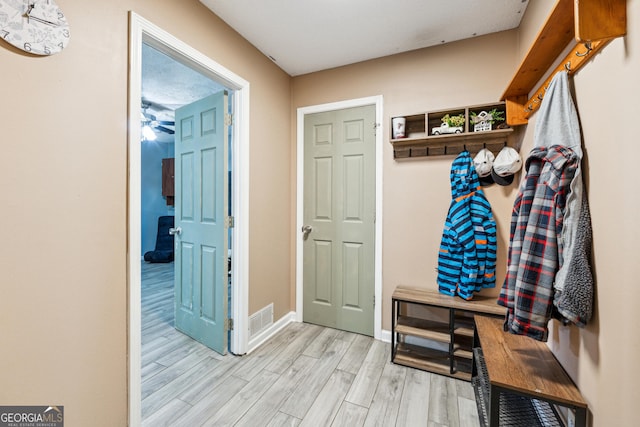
(550, 239)
(467, 256)
(574, 285)
(574, 301)
(535, 251)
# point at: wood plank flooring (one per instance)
(306, 375)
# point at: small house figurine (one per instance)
(483, 121)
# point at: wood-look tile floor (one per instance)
(306, 375)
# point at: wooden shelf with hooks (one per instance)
(427, 136)
(591, 23)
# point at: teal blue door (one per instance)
(200, 231)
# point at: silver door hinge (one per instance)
(228, 222)
(228, 119)
(229, 324)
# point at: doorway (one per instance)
(142, 32)
(301, 116)
(339, 218)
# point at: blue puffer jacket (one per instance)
(467, 258)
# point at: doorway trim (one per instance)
(142, 31)
(321, 108)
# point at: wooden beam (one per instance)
(593, 21)
(552, 39)
(600, 19)
(514, 107)
(579, 56)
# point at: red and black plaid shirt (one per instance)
(535, 251)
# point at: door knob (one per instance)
(174, 231)
(306, 229)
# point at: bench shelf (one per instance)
(518, 381)
(442, 345)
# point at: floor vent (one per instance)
(260, 320)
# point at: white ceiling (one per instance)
(303, 36)
(168, 84)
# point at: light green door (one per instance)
(339, 211)
(200, 229)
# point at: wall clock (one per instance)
(35, 26)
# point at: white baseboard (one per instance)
(276, 327)
(262, 337)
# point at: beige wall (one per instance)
(602, 358)
(416, 192)
(63, 309)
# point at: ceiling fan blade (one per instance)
(164, 129)
(165, 122)
(149, 116)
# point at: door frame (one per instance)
(142, 31)
(321, 108)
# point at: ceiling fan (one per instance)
(150, 123)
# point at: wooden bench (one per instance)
(513, 365)
(456, 333)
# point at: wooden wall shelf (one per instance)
(421, 140)
(585, 21)
(442, 145)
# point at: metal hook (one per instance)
(567, 66)
(587, 45)
(540, 96)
